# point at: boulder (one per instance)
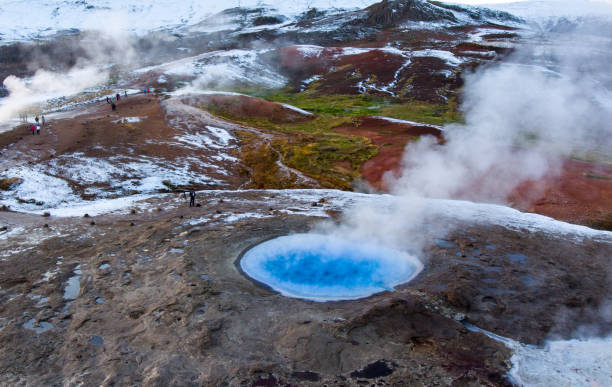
(9, 183)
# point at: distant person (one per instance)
(113, 106)
(32, 128)
(37, 129)
(108, 101)
(192, 198)
(42, 120)
(125, 93)
(118, 96)
(36, 119)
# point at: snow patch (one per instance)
(297, 109)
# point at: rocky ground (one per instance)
(154, 297)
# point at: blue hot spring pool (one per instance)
(325, 268)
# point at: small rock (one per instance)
(86, 216)
(93, 223)
(133, 211)
(46, 225)
(10, 183)
(46, 214)
(132, 224)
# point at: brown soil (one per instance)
(244, 107)
(421, 80)
(581, 194)
(102, 133)
(391, 138)
(161, 302)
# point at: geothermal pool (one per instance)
(325, 268)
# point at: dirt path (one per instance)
(184, 104)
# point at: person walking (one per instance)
(113, 106)
(192, 198)
(42, 120)
(36, 119)
(118, 96)
(32, 128)
(37, 129)
(108, 101)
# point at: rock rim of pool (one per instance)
(327, 268)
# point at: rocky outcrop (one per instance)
(389, 13)
(10, 183)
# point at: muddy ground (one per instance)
(161, 301)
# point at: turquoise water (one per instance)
(324, 268)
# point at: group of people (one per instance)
(117, 97)
(40, 121)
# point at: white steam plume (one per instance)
(45, 85)
(521, 119)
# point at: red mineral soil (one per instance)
(391, 138)
(245, 107)
(581, 193)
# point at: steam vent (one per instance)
(323, 268)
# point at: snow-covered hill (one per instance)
(24, 20)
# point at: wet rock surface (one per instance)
(163, 303)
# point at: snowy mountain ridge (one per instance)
(46, 18)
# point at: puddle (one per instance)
(42, 302)
(96, 340)
(40, 327)
(445, 244)
(517, 258)
(527, 279)
(74, 285)
(104, 266)
(206, 278)
(177, 251)
(174, 275)
(99, 300)
(490, 247)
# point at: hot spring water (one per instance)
(324, 268)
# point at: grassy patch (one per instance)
(313, 147)
(261, 163)
(594, 176)
(364, 105)
(602, 223)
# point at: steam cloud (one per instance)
(45, 85)
(99, 50)
(522, 118)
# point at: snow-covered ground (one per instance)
(300, 201)
(222, 69)
(24, 20)
(585, 362)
